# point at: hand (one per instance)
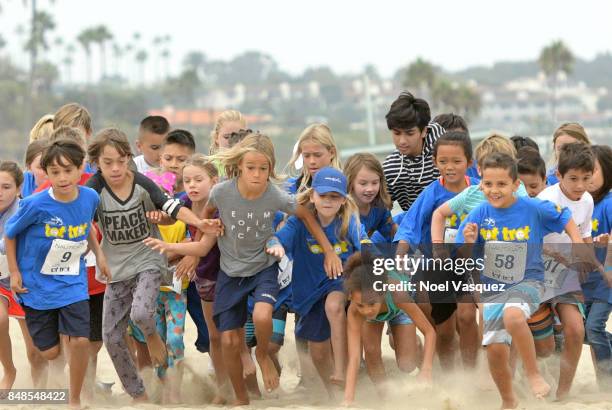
(156, 245)
(157, 217)
(211, 226)
(585, 261)
(187, 267)
(103, 268)
(277, 251)
(17, 284)
(470, 232)
(601, 241)
(332, 265)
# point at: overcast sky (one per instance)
(345, 35)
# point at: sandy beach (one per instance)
(458, 391)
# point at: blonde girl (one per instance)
(367, 187)
(42, 129)
(227, 122)
(317, 149)
(318, 299)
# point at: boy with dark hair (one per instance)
(177, 147)
(524, 222)
(452, 122)
(409, 168)
(46, 241)
(532, 170)
(574, 171)
(151, 133)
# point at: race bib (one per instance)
(450, 235)
(177, 284)
(558, 278)
(4, 271)
(505, 261)
(285, 271)
(64, 257)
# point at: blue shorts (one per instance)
(230, 308)
(45, 326)
(314, 325)
(401, 318)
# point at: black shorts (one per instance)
(45, 326)
(96, 303)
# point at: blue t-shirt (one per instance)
(551, 177)
(416, 226)
(38, 222)
(309, 282)
(472, 172)
(29, 184)
(378, 220)
(595, 288)
(378, 238)
(526, 221)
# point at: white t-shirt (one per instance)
(141, 164)
(582, 212)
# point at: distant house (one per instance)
(201, 118)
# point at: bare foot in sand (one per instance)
(7, 381)
(539, 387)
(140, 399)
(425, 377)
(268, 371)
(511, 404)
(157, 349)
(218, 400)
(237, 403)
(76, 405)
(248, 366)
(561, 395)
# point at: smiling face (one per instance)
(409, 142)
(64, 177)
(452, 162)
(366, 186)
(113, 166)
(315, 156)
(8, 190)
(575, 183)
(254, 170)
(197, 183)
(498, 187)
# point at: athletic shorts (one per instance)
(45, 326)
(314, 325)
(96, 304)
(279, 319)
(14, 309)
(230, 308)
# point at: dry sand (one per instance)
(457, 391)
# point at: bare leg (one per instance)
(232, 344)
(143, 358)
(321, 355)
(573, 329)
(445, 342)
(406, 347)
(6, 349)
(336, 314)
(39, 366)
(498, 356)
(79, 359)
(262, 319)
(216, 354)
(372, 336)
(469, 334)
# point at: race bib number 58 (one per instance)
(505, 261)
(64, 257)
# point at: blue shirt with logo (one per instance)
(309, 282)
(527, 221)
(595, 287)
(40, 220)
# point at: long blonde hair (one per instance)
(254, 142)
(42, 129)
(347, 211)
(223, 118)
(368, 161)
(319, 134)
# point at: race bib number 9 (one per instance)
(505, 261)
(64, 257)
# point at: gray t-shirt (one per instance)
(248, 225)
(124, 225)
(5, 216)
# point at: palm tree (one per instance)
(68, 61)
(421, 74)
(555, 59)
(101, 35)
(141, 58)
(117, 54)
(85, 38)
(157, 44)
(166, 54)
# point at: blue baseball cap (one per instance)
(329, 179)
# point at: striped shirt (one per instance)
(408, 176)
